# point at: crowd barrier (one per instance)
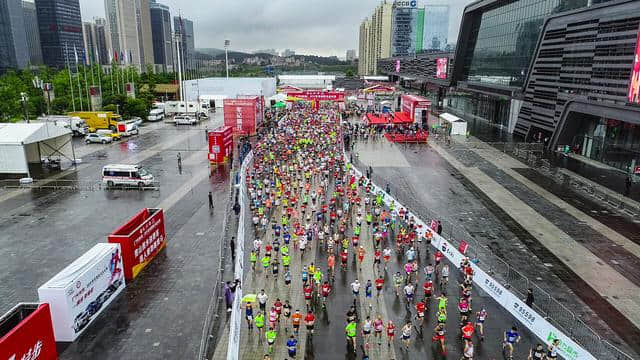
(233, 349)
(535, 322)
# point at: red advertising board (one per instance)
(220, 144)
(30, 338)
(141, 239)
(441, 68)
(242, 115)
(634, 84)
(318, 95)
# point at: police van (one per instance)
(129, 175)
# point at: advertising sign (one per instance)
(220, 144)
(82, 290)
(634, 84)
(320, 95)
(441, 68)
(130, 90)
(241, 115)
(96, 98)
(141, 239)
(414, 105)
(397, 66)
(29, 335)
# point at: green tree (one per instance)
(135, 107)
(111, 107)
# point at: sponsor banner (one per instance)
(536, 323)
(413, 105)
(241, 115)
(141, 239)
(32, 338)
(220, 144)
(318, 95)
(82, 290)
(633, 95)
(441, 68)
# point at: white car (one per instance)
(185, 120)
(97, 138)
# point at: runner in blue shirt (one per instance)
(291, 346)
(511, 337)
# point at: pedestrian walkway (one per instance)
(620, 292)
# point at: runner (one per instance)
(351, 331)
(510, 338)
(271, 338)
(552, 350)
(378, 326)
(481, 317)
(537, 353)
(309, 322)
(391, 333)
(406, 334)
(379, 285)
(467, 332)
(296, 318)
(259, 321)
(292, 344)
(439, 332)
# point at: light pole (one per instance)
(23, 99)
(226, 55)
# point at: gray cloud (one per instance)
(322, 27)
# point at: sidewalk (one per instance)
(577, 245)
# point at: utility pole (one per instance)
(180, 85)
(24, 99)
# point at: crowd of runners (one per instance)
(303, 195)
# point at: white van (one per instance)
(156, 115)
(131, 175)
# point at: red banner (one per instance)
(318, 95)
(242, 115)
(220, 144)
(31, 338)
(140, 239)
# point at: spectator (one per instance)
(529, 300)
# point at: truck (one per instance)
(194, 108)
(77, 126)
(99, 119)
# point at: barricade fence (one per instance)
(553, 311)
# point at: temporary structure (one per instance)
(458, 126)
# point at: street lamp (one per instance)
(226, 55)
(23, 99)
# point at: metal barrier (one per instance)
(74, 185)
(555, 312)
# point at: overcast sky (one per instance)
(319, 27)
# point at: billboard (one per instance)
(242, 115)
(220, 144)
(29, 335)
(441, 68)
(141, 239)
(634, 84)
(82, 290)
(414, 105)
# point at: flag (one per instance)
(130, 57)
(115, 54)
(110, 56)
(122, 58)
(85, 60)
(75, 52)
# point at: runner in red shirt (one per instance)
(421, 308)
(391, 333)
(379, 285)
(344, 256)
(467, 332)
(309, 321)
(308, 293)
(278, 307)
(376, 257)
(428, 289)
(325, 290)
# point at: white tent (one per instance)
(278, 97)
(458, 126)
(21, 144)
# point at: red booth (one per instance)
(416, 107)
(141, 239)
(244, 115)
(220, 144)
(26, 332)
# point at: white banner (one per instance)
(82, 290)
(536, 323)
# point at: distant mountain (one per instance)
(211, 51)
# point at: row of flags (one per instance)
(125, 57)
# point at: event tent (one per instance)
(458, 126)
(402, 118)
(22, 144)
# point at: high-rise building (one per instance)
(161, 36)
(436, 27)
(375, 38)
(32, 32)
(288, 52)
(129, 26)
(60, 31)
(13, 52)
(89, 39)
(101, 38)
(184, 28)
(407, 24)
(351, 55)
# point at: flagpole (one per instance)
(66, 58)
(86, 85)
(75, 53)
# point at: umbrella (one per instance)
(280, 104)
(249, 298)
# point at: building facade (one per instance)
(161, 35)
(407, 29)
(32, 32)
(102, 39)
(374, 40)
(351, 55)
(586, 92)
(436, 27)
(13, 50)
(60, 31)
(184, 28)
(129, 25)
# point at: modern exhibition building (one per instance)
(563, 72)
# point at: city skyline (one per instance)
(254, 25)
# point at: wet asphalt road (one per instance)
(161, 313)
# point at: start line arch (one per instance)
(315, 96)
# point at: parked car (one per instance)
(106, 132)
(97, 138)
(136, 120)
(81, 321)
(185, 120)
